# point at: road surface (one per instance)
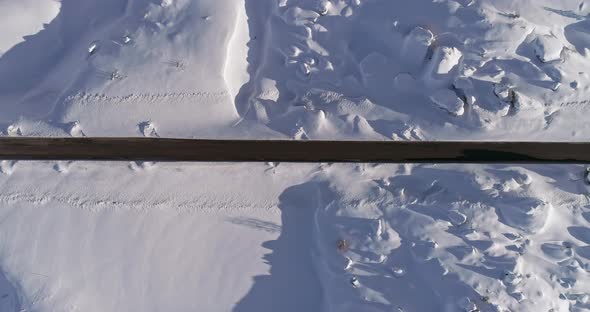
(160, 149)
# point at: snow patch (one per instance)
(22, 18)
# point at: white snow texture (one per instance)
(143, 236)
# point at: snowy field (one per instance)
(203, 237)
(317, 69)
(85, 236)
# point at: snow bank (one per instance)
(236, 71)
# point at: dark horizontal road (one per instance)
(160, 149)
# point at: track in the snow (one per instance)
(160, 149)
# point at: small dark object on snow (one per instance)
(587, 175)
(342, 245)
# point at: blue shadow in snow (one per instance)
(292, 285)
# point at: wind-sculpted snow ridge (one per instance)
(446, 238)
(379, 69)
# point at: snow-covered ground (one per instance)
(186, 237)
(121, 237)
(318, 69)
(83, 236)
(24, 18)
